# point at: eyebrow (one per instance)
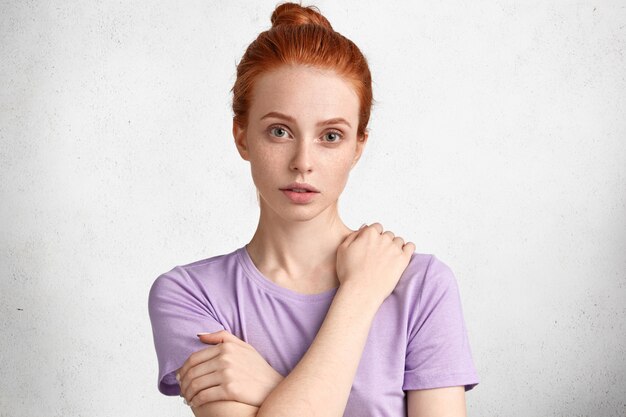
(292, 120)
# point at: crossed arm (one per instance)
(319, 384)
(369, 264)
(439, 402)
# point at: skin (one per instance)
(295, 245)
(308, 249)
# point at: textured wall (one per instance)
(498, 143)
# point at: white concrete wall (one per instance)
(498, 143)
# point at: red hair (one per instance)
(302, 36)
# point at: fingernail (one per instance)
(178, 378)
(200, 334)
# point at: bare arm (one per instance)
(325, 373)
(225, 409)
(320, 384)
(369, 264)
(438, 402)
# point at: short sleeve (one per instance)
(178, 311)
(438, 352)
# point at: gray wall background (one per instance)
(498, 143)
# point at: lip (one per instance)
(300, 185)
(300, 198)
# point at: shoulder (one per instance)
(427, 283)
(426, 271)
(191, 280)
(185, 274)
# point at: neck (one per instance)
(298, 253)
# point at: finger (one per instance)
(220, 337)
(209, 338)
(378, 227)
(350, 238)
(189, 383)
(197, 358)
(207, 395)
(408, 248)
(390, 234)
(198, 385)
(398, 241)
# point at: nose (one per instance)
(302, 158)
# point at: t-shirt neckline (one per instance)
(275, 289)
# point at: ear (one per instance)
(241, 141)
(360, 146)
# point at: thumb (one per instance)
(218, 337)
(350, 238)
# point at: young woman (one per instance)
(310, 318)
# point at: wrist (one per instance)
(363, 297)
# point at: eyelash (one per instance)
(334, 132)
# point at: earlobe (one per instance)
(239, 134)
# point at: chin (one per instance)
(296, 212)
(300, 213)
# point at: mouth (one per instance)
(297, 190)
(298, 187)
(300, 196)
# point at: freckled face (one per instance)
(302, 126)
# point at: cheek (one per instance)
(341, 160)
(337, 170)
(260, 169)
(264, 163)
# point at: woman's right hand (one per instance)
(371, 262)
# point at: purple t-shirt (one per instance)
(417, 340)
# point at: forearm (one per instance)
(225, 409)
(320, 384)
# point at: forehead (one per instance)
(304, 92)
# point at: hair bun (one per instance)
(295, 14)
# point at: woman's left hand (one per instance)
(230, 370)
